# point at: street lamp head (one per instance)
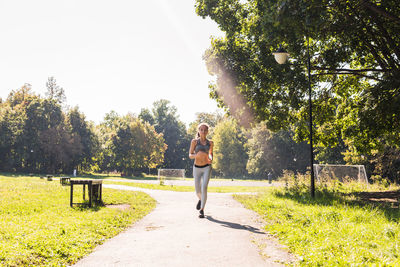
(281, 55)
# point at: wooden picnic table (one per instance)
(94, 190)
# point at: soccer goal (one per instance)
(171, 174)
(343, 173)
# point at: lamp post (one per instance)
(281, 56)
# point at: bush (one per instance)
(377, 179)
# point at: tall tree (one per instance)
(43, 126)
(83, 131)
(11, 127)
(230, 155)
(105, 131)
(18, 112)
(166, 121)
(136, 145)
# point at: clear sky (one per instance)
(108, 55)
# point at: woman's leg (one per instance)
(204, 186)
(197, 173)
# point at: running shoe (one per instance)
(201, 214)
(198, 205)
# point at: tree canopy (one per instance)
(355, 61)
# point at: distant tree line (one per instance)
(43, 135)
(38, 135)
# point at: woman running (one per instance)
(201, 150)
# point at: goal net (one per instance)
(171, 174)
(343, 173)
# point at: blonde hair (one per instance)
(198, 128)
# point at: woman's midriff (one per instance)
(201, 158)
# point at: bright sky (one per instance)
(108, 55)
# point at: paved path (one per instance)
(173, 235)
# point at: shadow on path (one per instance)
(236, 225)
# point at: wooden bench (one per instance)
(94, 190)
(65, 180)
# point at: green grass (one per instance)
(334, 229)
(38, 227)
(182, 188)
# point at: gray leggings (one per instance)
(201, 187)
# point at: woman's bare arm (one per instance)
(192, 155)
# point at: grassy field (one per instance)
(38, 227)
(334, 229)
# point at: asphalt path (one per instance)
(173, 235)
